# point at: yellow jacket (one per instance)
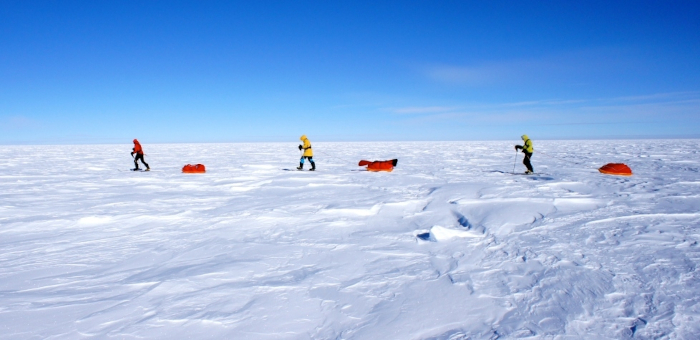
(527, 147)
(306, 146)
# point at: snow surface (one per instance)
(448, 246)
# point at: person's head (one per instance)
(302, 137)
(524, 137)
(136, 141)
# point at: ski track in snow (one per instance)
(448, 246)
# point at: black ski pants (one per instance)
(136, 161)
(526, 161)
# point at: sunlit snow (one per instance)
(450, 245)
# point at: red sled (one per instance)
(618, 169)
(379, 165)
(194, 169)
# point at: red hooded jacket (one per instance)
(137, 147)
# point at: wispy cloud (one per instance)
(421, 109)
(649, 108)
(18, 123)
(456, 74)
(544, 103)
(579, 66)
(668, 96)
(480, 74)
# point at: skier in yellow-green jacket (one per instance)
(308, 154)
(527, 150)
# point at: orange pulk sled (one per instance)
(194, 169)
(616, 169)
(379, 165)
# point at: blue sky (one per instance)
(76, 72)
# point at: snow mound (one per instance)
(439, 233)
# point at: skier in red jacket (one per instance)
(139, 155)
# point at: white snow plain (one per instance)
(450, 245)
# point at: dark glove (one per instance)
(518, 147)
(132, 154)
(300, 147)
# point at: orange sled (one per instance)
(379, 165)
(194, 169)
(616, 169)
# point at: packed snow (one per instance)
(450, 245)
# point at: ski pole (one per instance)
(515, 160)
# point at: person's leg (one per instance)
(301, 163)
(136, 161)
(143, 160)
(313, 164)
(526, 161)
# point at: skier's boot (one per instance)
(148, 169)
(313, 167)
(301, 166)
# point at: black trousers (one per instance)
(136, 160)
(526, 161)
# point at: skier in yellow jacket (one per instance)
(308, 154)
(527, 150)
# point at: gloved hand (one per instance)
(300, 147)
(132, 154)
(518, 147)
